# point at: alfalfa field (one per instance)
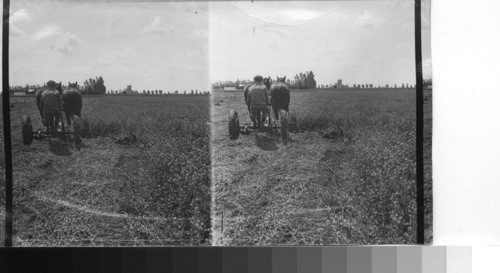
(346, 176)
(143, 178)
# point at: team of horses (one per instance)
(71, 100)
(280, 96)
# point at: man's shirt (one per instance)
(259, 95)
(51, 101)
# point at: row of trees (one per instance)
(26, 88)
(222, 84)
(306, 81)
(94, 86)
(160, 92)
(301, 81)
(195, 92)
(365, 86)
(91, 86)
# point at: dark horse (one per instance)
(280, 96)
(38, 98)
(59, 88)
(38, 95)
(72, 102)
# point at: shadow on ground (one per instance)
(266, 143)
(59, 147)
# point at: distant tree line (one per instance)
(237, 83)
(160, 92)
(94, 86)
(91, 86)
(364, 86)
(301, 81)
(26, 88)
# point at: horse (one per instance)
(245, 93)
(71, 102)
(267, 82)
(280, 97)
(38, 95)
(59, 88)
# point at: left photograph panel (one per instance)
(110, 124)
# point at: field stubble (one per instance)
(357, 189)
(152, 192)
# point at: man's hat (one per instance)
(258, 78)
(51, 84)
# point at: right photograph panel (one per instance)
(314, 122)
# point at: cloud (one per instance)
(66, 43)
(15, 31)
(63, 42)
(64, 49)
(123, 57)
(16, 17)
(46, 32)
(300, 14)
(368, 18)
(158, 26)
(19, 15)
(71, 39)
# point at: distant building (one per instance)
(230, 88)
(128, 91)
(19, 93)
(338, 84)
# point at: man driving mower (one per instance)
(50, 105)
(259, 101)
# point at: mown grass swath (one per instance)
(356, 189)
(155, 191)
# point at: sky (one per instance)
(186, 45)
(356, 41)
(148, 45)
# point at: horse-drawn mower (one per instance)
(270, 125)
(64, 132)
